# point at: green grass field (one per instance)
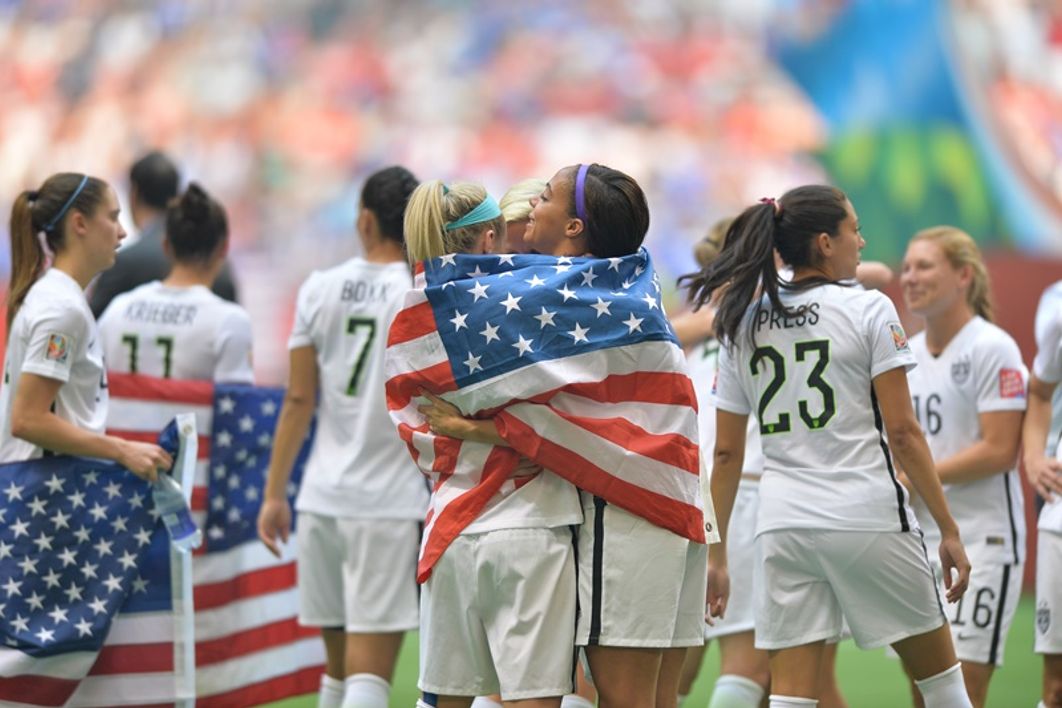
(868, 679)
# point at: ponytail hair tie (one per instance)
(774, 203)
(32, 195)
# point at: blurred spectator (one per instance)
(153, 182)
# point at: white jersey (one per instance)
(979, 371)
(1047, 366)
(54, 335)
(703, 365)
(359, 467)
(185, 333)
(809, 380)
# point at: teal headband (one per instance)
(486, 210)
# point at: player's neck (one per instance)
(185, 276)
(384, 250)
(941, 328)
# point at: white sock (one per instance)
(486, 702)
(777, 701)
(422, 704)
(732, 691)
(574, 701)
(331, 693)
(681, 699)
(366, 691)
(945, 690)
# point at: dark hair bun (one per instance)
(195, 225)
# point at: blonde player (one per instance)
(498, 612)
(968, 392)
(177, 328)
(362, 500)
(1044, 470)
(54, 393)
(515, 207)
(824, 364)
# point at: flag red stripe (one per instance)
(251, 640)
(133, 659)
(671, 388)
(402, 388)
(200, 496)
(203, 452)
(296, 683)
(241, 587)
(684, 519)
(38, 690)
(669, 448)
(463, 510)
(411, 323)
(149, 388)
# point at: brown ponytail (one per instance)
(45, 210)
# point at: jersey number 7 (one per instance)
(820, 348)
(364, 331)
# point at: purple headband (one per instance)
(580, 191)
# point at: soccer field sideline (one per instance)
(868, 679)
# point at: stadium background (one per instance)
(924, 111)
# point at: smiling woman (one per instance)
(54, 394)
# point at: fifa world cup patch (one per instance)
(1011, 384)
(58, 348)
(899, 337)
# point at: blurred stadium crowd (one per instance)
(281, 108)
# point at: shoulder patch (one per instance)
(1011, 384)
(899, 337)
(58, 348)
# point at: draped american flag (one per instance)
(86, 568)
(579, 367)
(249, 648)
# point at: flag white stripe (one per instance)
(245, 614)
(641, 471)
(245, 558)
(416, 354)
(141, 627)
(72, 665)
(261, 666)
(153, 416)
(126, 689)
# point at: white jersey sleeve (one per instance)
(1000, 376)
(58, 336)
(889, 348)
(727, 391)
(1047, 366)
(307, 306)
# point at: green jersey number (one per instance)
(364, 330)
(165, 343)
(765, 358)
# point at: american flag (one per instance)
(249, 648)
(577, 363)
(75, 535)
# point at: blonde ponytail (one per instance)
(431, 207)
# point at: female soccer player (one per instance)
(969, 395)
(498, 612)
(635, 634)
(824, 366)
(177, 328)
(1044, 470)
(361, 500)
(54, 394)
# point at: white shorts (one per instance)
(981, 620)
(498, 616)
(808, 582)
(1049, 593)
(639, 585)
(741, 560)
(358, 574)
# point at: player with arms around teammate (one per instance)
(968, 392)
(1044, 471)
(824, 365)
(54, 393)
(177, 328)
(362, 500)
